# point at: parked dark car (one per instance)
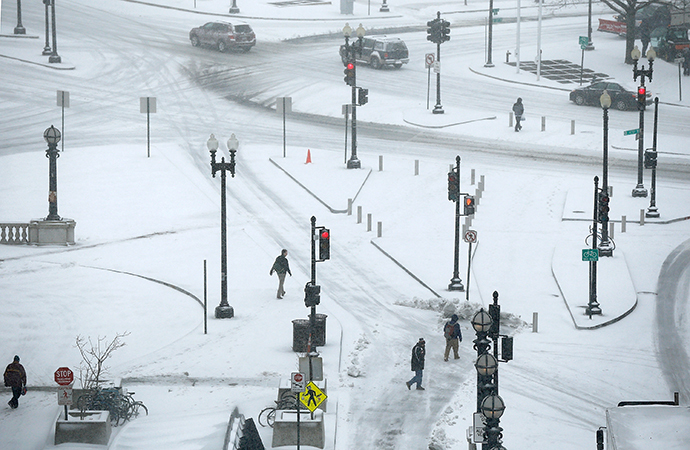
(670, 42)
(224, 36)
(621, 98)
(380, 51)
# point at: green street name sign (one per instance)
(590, 254)
(583, 41)
(629, 132)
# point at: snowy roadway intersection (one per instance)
(158, 217)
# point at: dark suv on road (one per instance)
(224, 36)
(380, 51)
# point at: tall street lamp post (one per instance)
(52, 137)
(234, 9)
(454, 195)
(54, 57)
(352, 50)
(224, 310)
(639, 190)
(481, 322)
(590, 45)
(605, 246)
(489, 62)
(650, 163)
(19, 29)
(47, 50)
(593, 304)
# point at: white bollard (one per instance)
(349, 206)
(472, 177)
(380, 163)
(510, 120)
(369, 222)
(359, 214)
(624, 223)
(543, 123)
(611, 228)
(572, 127)
(642, 217)
(379, 229)
(535, 322)
(416, 167)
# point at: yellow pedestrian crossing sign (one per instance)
(312, 397)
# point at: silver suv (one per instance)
(380, 51)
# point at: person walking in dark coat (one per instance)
(15, 377)
(281, 266)
(519, 110)
(686, 61)
(417, 363)
(453, 335)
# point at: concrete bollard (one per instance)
(611, 228)
(535, 322)
(349, 206)
(379, 229)
(369, 222)
(416, 167)
(624, 223)
(380, 163)
(359, 214)
(610, 191)
(543, 123)
(510, 120)
(472, 177)
(572, 127)
(642, 217)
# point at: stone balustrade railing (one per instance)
(14, 233)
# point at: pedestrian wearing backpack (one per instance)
(417, 363)
(281, 266)
(453, 335)
(15, 377)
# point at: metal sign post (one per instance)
(429, 60)
(148, 105)
(297, 386)
(469, 237)
(63, 101)
(284, 106)
(64, 377)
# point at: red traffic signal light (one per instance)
(324, 244)
(642, 91)
(469, 205)
(349, 74)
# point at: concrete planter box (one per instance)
(91, 427)
(51, 232)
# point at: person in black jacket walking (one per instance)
(417, 363)
(519, 110)
(281, 266)
(15, 377)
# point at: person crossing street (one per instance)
(281, 266)
(15, 377)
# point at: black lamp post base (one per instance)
(234, 10)
(55, 59)
(489, 64)
(652, 212)
(438, 109)
(47, 51)
(224, 312)
(593, 309)
(456, 285)
(354, 163)
(19, 30)
(590, 46)
(639, 191)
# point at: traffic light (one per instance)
(312, 294)
(453, 186)
(650, 159)
(434, 31)
(445, 31)
(349, 74)
(603, 206)
(469, 205)
(324, 244)
(362, 96)
(641, 98)
(507, 348)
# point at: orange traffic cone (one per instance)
(308, 156)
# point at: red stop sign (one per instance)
(64, 376)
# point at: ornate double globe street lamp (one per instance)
(351, 51)
(223, 310)
(639, 190)
(52, 137)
